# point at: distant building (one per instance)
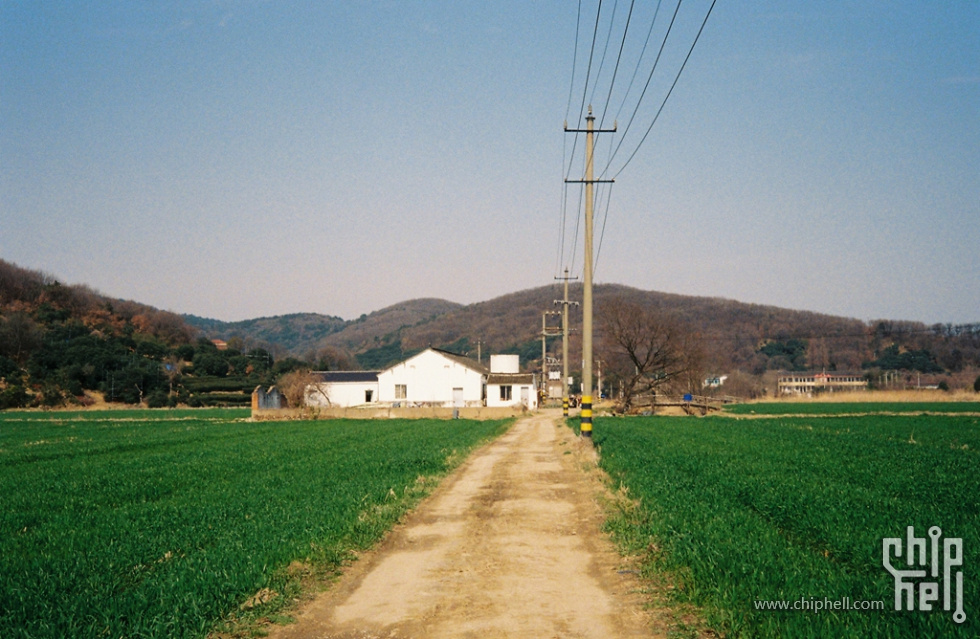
(810, 384)
(714, 382)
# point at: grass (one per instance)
(730, 512)
(164, 523)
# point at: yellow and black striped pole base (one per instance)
(564, 407)
(586, 425)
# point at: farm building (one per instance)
(343, 388)
(507, 386)
(512, 389)
(434, 378)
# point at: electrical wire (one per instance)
(666, 97)
(605, 49)
(653, 70)
(619, 57)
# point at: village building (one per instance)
(814, 383)
(507, 386)
(434, 377)
(343, 389)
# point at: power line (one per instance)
(666, 97)
(619, 57)
(605, 49)
(646, 86)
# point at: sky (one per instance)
(235, 159)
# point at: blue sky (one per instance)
(236, 159)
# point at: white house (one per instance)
(434, 378)
(343, 388)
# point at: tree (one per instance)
(648, 350)
(294, 386)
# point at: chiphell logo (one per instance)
(929, 578)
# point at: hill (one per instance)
(736, 337)
(68, 344)
(59, 343)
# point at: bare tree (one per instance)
(648, 350)
(296, 385)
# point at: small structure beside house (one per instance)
(343, 389)
(512, 389)
(263, 399)
(507, 386)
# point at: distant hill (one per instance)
(752, 338)
(294, 333)
(59, 342)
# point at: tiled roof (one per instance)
(346, 376)
(510, 378)
(464, 361)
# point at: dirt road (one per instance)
(508, 546)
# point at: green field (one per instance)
(734, 511)
(163, 523)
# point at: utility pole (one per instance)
(590, 131)
(544, 346)
(564, 344)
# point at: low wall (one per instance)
(386, 412)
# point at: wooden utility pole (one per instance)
(590, 131)
(564, 344)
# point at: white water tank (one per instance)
(505, 364)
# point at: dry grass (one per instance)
(894, 396)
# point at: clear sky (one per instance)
(237, 158)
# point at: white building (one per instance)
(506, 386)
(434, 378)
(512, 389)
(343, 389)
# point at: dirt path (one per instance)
(508, 546)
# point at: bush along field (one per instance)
(176, 523)
(775, 526)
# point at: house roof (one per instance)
(463, 360)
(509, 378)
(459, 359)
(339, 377)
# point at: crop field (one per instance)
(172, 523)
(733, 513)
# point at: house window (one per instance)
(506, 393)
(368, 396)
(401, 391)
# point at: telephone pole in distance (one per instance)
(564, 344)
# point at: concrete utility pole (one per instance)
(545, 334)
(590, 130)
(564, 344)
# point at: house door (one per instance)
(525, 397)
(457, 397)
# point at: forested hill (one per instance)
(68, 344)
(60, 343)
(735, 336)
